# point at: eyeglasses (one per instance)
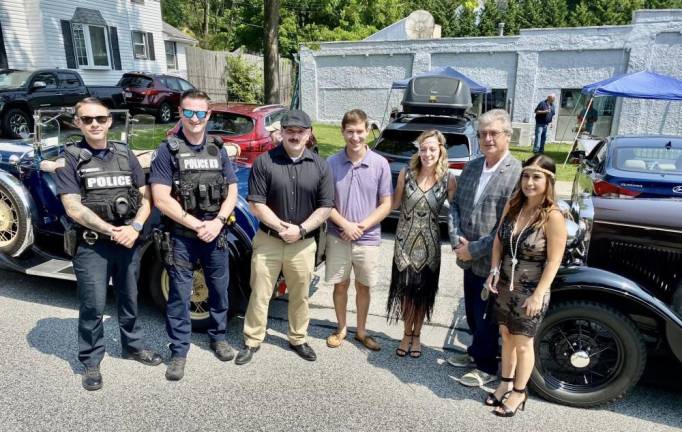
(493, 133)
(188, 113)
(89, 119)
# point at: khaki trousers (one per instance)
(297, 261)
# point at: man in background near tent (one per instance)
(590, 119)
(544, 113)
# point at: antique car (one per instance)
(32, 218)
(616, 300)
(633, 166)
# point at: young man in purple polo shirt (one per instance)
(362, 199)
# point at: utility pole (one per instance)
(271, 52)
(207, 6)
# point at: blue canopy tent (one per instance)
(448, 71)
(638, 85)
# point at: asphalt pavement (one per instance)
(349, 388)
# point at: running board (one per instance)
(53, 268)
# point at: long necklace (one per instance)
(514, 248)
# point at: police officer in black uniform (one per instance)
(103, 191)
(194, 186)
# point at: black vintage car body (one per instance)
(617, 299)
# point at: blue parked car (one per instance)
(644, 166)
(32, 216)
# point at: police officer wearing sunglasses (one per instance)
(103, 191)
(194, 186)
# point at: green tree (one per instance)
(464, 23)
(244, 80)
(556, 12)
(489, 18)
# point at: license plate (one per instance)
(128, 94)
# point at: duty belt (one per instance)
(90, 236)
(273, 233)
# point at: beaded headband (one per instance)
(538, 168)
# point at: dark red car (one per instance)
(243, 125)
(155, 94)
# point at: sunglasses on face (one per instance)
(89, 119)
(188, 113)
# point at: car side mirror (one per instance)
(38, 85)
(577, 156)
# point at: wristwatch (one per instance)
(223, 219)
(302, 231)
(137, 226)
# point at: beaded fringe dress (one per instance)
(416, 257)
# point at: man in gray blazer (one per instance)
(483, 190)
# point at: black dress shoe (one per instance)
(305, 351)
(176, 368)
(92, 379)
(146, 357)
(245, 355)
(222, 350)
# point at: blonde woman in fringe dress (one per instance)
(527, 253)
(420, 193)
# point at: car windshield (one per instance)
(649, 160)
(230, 123)
(135, 81)
(403, 143)
(13, 79)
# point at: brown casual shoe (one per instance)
(335, 339)
(369, 342)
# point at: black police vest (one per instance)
(107, 185)
(198, 183)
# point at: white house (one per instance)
(102, 39)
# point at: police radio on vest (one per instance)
(108, 181)
(199, 164)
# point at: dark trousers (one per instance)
(214, 262)
(485, 345)
(94, 265)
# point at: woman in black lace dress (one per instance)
(527, 253)
(420, 192)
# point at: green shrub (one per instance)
(245, 81)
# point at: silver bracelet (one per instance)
(495, 271)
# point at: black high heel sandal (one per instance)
(492, 401)
(506, 412)
(401, 352)
(416, 353)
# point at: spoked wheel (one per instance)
(165, 113)
(15, 122)
(587, 354)
(13, 221)
(198, 306)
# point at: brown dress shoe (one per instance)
(369, 342)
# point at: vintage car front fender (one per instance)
(582, 281)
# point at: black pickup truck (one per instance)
(22, 92)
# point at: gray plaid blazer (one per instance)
(478, 223)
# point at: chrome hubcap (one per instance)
(198, 298)
(580, 359)
(18, 123)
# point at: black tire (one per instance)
(165, 113)
(13, 221)
(159, 285)
(14, 121)
(607, 340)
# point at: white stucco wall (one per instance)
(343, 75)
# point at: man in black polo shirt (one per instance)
(291, 192)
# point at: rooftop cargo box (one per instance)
(436, 95)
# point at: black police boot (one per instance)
(176, 368)
(222, 350)
(305, 351)
(245, 355)
(145, 356)
(92, 379)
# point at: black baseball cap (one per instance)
(296, 118)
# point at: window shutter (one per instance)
(4, 64)
(115, 52)
(68, 45)
(150, 46)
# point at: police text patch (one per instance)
(200, 164)
(101, 182)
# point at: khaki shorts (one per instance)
(343, 255)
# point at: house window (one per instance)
(91, 46)
(171, 55)
(140, 50)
